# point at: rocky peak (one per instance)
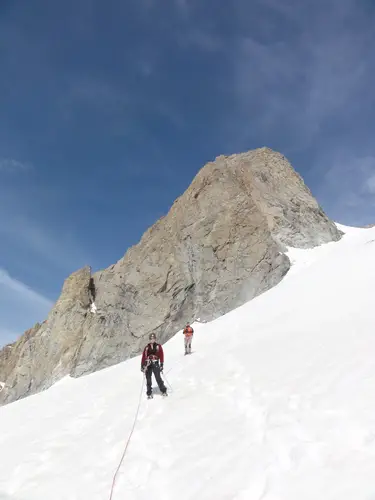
(220, 245)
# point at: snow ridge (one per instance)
(275, 403)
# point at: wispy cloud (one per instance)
(42, 252)
(26, 230)
(33, 242)
(201, 39)
(98, 91)
(347, 187)
(366, 168)
(9, 165)
(95, 94)
(24, 292)
(370, 183)
(55, 248)
(20, 307)
(183, 6)
(298, 82)
(304, 85)
(335, 81)
(146, 66)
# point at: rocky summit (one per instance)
(221, 244)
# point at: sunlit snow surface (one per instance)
(277, 402)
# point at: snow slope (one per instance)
(275, 403)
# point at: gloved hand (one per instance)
(143, 368)
(161, 367)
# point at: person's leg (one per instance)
(186, 343)
(158, 378)
(190, 341)
(149, 381)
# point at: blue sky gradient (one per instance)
(109, 109)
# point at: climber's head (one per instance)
(152, 337)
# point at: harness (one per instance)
(152, 353)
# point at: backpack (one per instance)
(188, 331)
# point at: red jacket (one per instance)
(188, 331)
(152, 350)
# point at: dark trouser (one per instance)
(154, 367)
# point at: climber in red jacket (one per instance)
(188, 332)
(153, 362)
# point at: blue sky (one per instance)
(109, 109)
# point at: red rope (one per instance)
(127, 442)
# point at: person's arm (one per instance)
(143, 360)
(161, 354)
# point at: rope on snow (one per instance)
(127, 442)
(131, 433)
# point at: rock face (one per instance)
(220, 245)
(44, 353)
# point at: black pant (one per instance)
(154, 367)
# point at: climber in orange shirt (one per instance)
(188, 332)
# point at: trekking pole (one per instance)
(165, 378)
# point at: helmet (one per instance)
(152, 336)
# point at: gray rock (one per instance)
(220, 245)
(45, 353)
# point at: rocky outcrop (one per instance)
(44, 353)
(220, 245)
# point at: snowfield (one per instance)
(276, 402)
